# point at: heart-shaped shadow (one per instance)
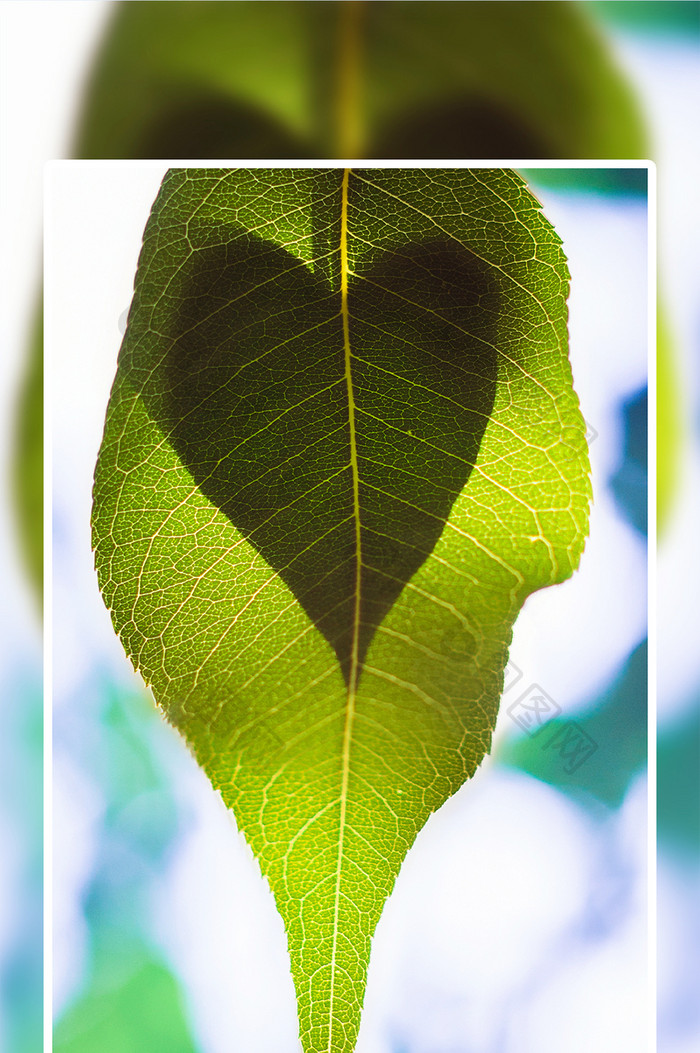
(252, 392)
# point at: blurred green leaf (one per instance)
(341, 449)
(616, 722)
(28, 461)
(678, 784)
(341, 79)
(126, 987)
(612, 182)
(132, 1005)
(21, 970)
(678, 18)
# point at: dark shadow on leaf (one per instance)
(253, 395)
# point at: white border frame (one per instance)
(652, 249)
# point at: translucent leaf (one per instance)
(341, 449)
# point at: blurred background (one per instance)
(164, 934)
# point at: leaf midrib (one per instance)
(354, 657)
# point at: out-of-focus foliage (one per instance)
(132, 1003)
(20, 784)
(29, 458)
(616, 722)
(653, 17)
(678, 817)
(130, 999)
(613, 182)
(381, 79)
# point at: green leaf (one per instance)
(356, 79)
(341, 449)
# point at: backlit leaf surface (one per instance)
(341, 449)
